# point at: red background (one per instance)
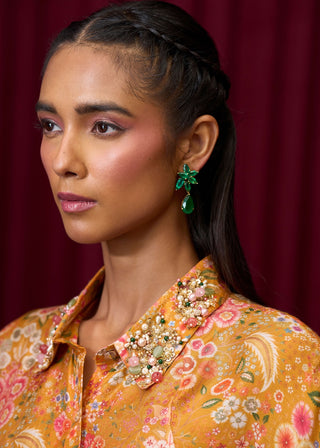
(270, 49)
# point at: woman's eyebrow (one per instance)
(41, 106)
(88, 108)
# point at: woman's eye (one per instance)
(49, 126)
(104, 128)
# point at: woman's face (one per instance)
(104, 150)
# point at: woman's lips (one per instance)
(72, 203)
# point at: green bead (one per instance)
(166, 338)
(187, 205)
(187, 304)
(135, 370)
(149, 367)
(179, 283)
(162, 321)
(160, 361)
(157, 351)
(132, 339)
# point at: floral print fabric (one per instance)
(202, 368)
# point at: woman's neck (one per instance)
(139, 268)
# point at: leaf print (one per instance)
(210, 403)
(240, 365)
(315, 397)
(247, 376)
(203, 390)
(265, 419)
(30, 438)
(263, 346)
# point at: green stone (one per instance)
(132, 339)
(188, 303)
(187, 205)
(179, 283)
(160, 361)
(162, 321)
(157, 351)
(166, 338)
(135, 370)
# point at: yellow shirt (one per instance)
(202, 368)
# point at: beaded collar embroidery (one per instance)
(152, 344)
(150, 349)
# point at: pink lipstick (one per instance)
(72, 203)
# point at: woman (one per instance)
(130, 97)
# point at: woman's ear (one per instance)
(197, 143)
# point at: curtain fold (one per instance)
(271, 51)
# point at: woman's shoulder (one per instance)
(246, 318)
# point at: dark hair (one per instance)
(176, 62)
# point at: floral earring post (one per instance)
(186, 178)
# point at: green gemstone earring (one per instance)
(186, 178)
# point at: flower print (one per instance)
(278, 408)
(257, 445)
(231, 403)
(188, 364)
(285, 437)
(145, 428)
(150, 442)
(28, 362)
(208, 350)
(164, 411)
(238, 420)
(188, 382)
(237, 303)
(29, 330)
(222, 386)
(278, 396)
(11, 387)
(16, 334)
(251, 404)
(207, 369)
(302, 419)
(98, 442)
(226, 315)
(5, 360)
(61, 424)
(177, 371)
(206, 326)
(241, 443)
(258, 430)
(35, 336)
(154, 420)
(196, 344)
(265, 406)
(296, 328)
(221, 415)
(164, 421)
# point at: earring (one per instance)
(186, 178)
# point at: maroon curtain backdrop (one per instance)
(270, 49)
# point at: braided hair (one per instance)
(173, 60)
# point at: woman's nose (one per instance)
(68, 161)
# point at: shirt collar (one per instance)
(150, 346)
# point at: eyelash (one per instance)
(44, 122)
